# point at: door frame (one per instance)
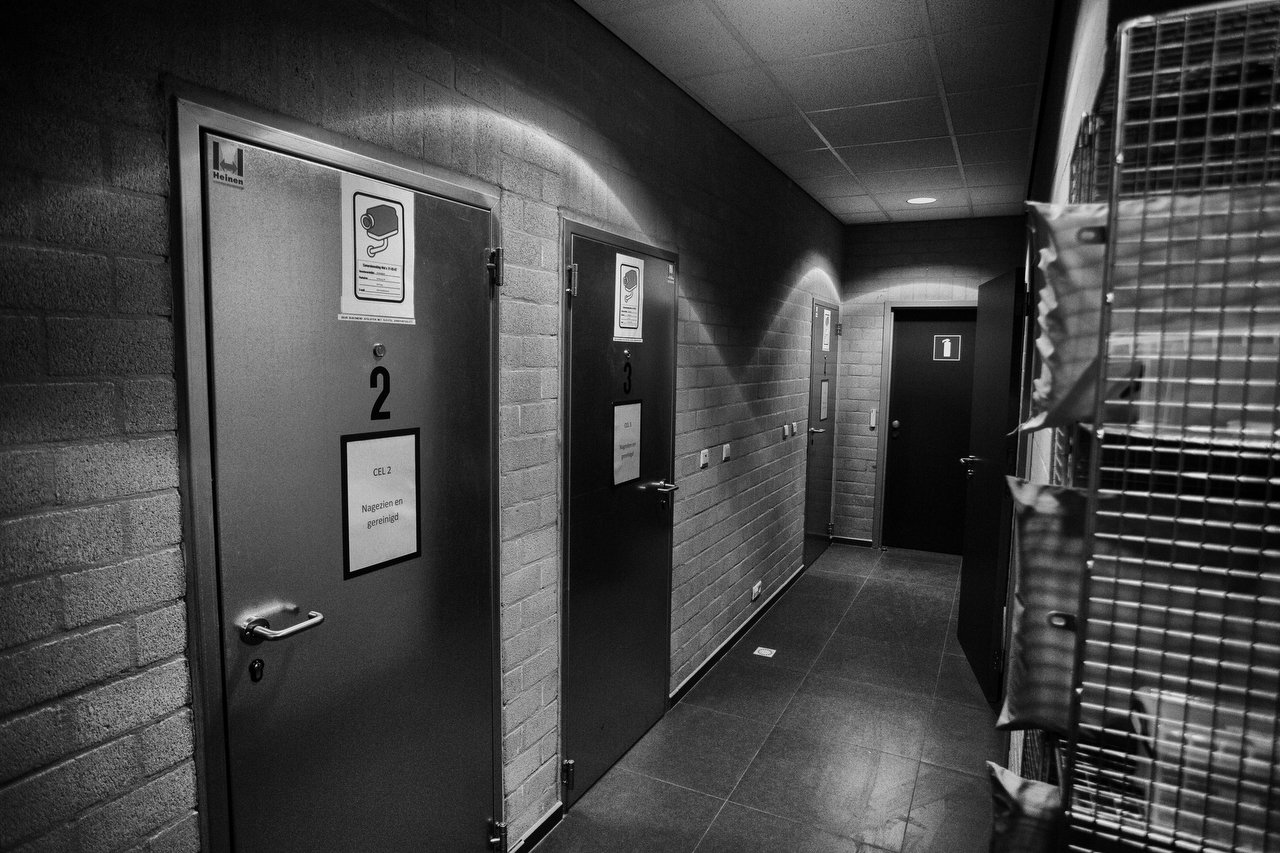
(834, 395)
(886, 374)
(571, 227)
(196, 111)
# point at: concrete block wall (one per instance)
(534, 97)
(900, 262)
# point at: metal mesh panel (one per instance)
(1176, 738)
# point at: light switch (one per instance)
(795, 427)
(786, 430)
(704, 458)
(724, 453)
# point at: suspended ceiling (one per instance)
(863, 103)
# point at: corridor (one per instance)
(864, 732)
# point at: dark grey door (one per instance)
(992, 454)
(930, 390)
(824, 357)
(619, 498)
(353, 467)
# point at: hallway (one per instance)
(865, 732)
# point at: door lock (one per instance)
(968, 462)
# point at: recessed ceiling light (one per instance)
(924, 199)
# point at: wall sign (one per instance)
(378, 251)
(626, 442)
(946, 347)
(381, 525)
(628, 299)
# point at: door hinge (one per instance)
(997, 660)
(572, 287)
(494, 266)
(566, 774)
(831, 528)
(498, 836)
(839, 329)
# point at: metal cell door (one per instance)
(352, 475)
(824, 356)
(617, 574)
(992, 450)
(929, 399)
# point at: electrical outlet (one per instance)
(704, 458)
(724, 453)
(755, 591)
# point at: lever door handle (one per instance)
(664, 487)
(256, 629)
(815, 429)
(969, 460)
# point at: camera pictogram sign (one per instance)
(378, 251)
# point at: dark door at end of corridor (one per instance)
(620, 412)
(824, 358)
(930, 395)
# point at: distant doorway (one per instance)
(926, 428)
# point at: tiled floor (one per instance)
(865, 732)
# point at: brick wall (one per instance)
(902, 262)
(96, 742)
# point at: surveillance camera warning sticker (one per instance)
(377, 251)
(628, 299)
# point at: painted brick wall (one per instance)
(903, 262)
(96, 743)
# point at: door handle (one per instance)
(664, 487)
(812, 430)
(256, 628)
(969, 460)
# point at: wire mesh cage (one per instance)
(1176, 739)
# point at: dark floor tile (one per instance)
(847, 560)
(961, 737)
(796, 643)
(838, 787)
(738, 829)
(863, 714)
(956, 682)
(813, 610)
(838, 588)
(928, 573)
(950, 813)
(924, 556)
(908, 613)
(698, 748)
(629, 813)
(746, 687)
(887, 664)
(952, 646)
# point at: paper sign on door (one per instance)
(626, 442)
(380, 500)
(378, 251)
(628, 299)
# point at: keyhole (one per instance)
(255, 670)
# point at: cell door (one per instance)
(619, 498)
(824, 356)
(350, 372)
(931, 381)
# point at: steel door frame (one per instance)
(886, 374)
(835, 429)
(195, 112)
(571, 227)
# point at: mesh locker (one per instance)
(1175, 743)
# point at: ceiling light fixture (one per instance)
(924, 199)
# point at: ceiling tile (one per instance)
(949, 15)
(682, 40)
(602, 10)
(921, 118)
(871, 75)
(1009, 194)
(897, 156)
(850, 204)
(775, 135)
(999, 147)
(833, 186)
(914, 181)
(1017, 209)
(990, 58)
(809, 164)
(931, 211)
(994, 109)
(992, 174)
(864, 218)
(739, 95)
(790, 29)
(894, 202)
